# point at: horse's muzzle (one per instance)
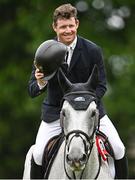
(76, 163)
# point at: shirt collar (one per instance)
(73, 44)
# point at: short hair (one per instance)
(65, 11)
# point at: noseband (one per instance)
(79, 133)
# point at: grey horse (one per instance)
(78, 157)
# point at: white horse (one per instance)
(78, 156)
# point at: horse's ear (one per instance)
(64, 83)
(92, 82)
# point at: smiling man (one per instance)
(66, 29)
(82, 56)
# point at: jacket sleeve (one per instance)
(33, 88)
(101, 88)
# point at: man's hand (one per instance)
(39, 76)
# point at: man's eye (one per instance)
(71, 26)
(63, 27)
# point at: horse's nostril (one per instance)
(68, 158)
(84, 158)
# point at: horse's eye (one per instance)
(63, 113)
(93, 113)
(62, 116)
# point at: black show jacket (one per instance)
(86, 54)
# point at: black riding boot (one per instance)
(121, 168)
(36, 170)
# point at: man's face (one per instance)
(66, 30)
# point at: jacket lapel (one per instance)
(76, 53)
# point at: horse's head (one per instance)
(79, 117)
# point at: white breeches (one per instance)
(48, 130)
(107, 127)
(45, 133)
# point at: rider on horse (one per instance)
(82, 56)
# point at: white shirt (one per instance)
(71, 48)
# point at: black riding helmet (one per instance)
(49, 56)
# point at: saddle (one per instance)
(50, 152)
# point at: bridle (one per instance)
(81, 134)
(87, 140)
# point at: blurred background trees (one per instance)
(24, 25)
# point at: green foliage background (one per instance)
(24, 25)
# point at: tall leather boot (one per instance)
(36, 170)
(121, 168)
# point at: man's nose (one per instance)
(68, 29)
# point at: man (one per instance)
(83, 54)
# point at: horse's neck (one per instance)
(94, 158)
(93, 164)
(96, 167)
